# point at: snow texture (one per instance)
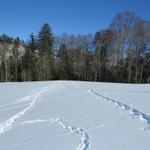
(71, 115)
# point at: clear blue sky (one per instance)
(21, 17)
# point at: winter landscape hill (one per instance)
(71, 115)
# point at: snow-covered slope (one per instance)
(61, 115)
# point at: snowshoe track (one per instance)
(133, 111)
(84, 137)
(7, 125)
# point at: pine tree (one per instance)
(45, 40)
(45, 47)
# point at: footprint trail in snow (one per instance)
(84, 137)
(7, 125)
(133, 111)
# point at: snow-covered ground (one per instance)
(71, 115)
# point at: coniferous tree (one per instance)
(45, 47)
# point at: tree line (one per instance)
(120, 53)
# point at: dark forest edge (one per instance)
(120, 53)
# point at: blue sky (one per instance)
(21, 17)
